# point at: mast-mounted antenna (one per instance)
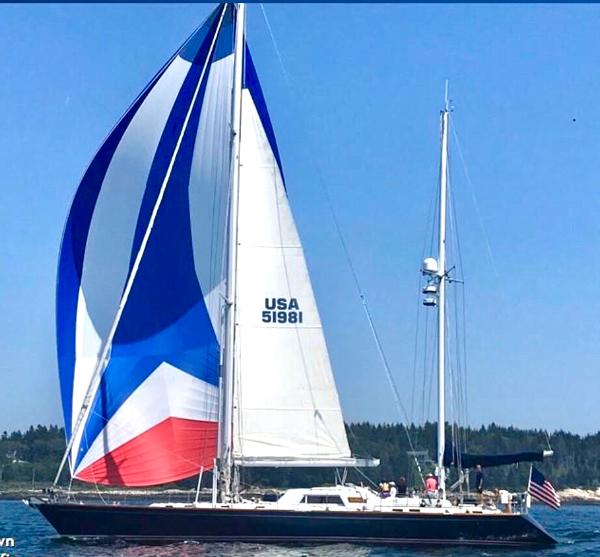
(446, 100)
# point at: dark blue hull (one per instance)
(280, 526)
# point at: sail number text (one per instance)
(282, 310)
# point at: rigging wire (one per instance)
(458, 284)
(361, 473)
(490, 256)
(452, 392)
(430, 218)
(425, 393)
(452, 339)
(474, 199)
(432, 376)
(461, 338)
(349, 262)
(415, 352)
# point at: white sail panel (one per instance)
(209, 187)
(286, 402)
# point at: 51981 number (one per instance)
(281, 310)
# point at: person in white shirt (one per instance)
(393, 490)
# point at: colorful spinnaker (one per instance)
(154, 416)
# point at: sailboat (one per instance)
(189, 338)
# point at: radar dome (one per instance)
(430, 266)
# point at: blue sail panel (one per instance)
(252, 83)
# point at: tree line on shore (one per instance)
(33, 456)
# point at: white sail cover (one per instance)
(286, 404)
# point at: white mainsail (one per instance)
(286, 406)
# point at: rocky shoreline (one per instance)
(580, 496)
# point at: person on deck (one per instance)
(393, 490)
(401, 486)
(479, 481)
(384, 490)
(431, 484)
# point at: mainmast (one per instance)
(226, 429)
(441, 274)
(435, 295)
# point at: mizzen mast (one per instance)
(441, 274)
(435, 295)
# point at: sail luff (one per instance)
(228, 375)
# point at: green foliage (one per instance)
(576, 460)
(36, 453)
(31, 456)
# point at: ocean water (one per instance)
(576, 526)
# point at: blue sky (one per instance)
(362, 116)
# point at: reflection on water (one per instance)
(576, 526)
(193, 549)
(69, 548)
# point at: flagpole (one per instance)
(527, 493)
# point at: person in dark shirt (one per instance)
(401, 486)
(479, 481)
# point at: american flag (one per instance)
(540, 488)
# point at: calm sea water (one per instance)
(577, 527)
